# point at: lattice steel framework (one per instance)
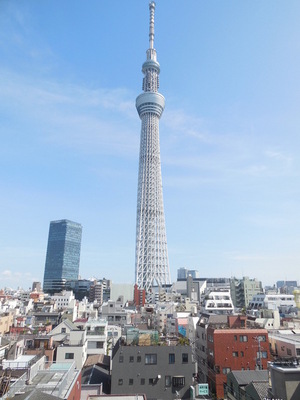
(152, 266)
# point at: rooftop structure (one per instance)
(57, 379)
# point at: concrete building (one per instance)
(285, 343)
(115, 313)
(96, 335)
(281, 302)
(63, 299)
(160, 372)
(96, 293)
(218, 302)
(6, 322)
(124, 290)
(243, 290)
(183, 273)
(285, 380)
(268, 319)
(71, 343)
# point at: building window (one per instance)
(130, 381)
(167, 381)
(131, 359)
(142, 381)
(235, 354)
(120, 382)
(150, 359)
(121, 359)
(138, 358)
(242, 354)
(69, 356)
(262, 338)
(235, 338)
(151, 381)
(288, 352)
(171, 358)
(298, 352)
(243, 338)
(178, 381)
(99, 345)
(185, 358)
(210, 338)
(63, 330)
(226, 370)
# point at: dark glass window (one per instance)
(185, 358)
(168, 381)
(171, 358)
(178, 381)
(150, 359)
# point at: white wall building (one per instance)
(96, 334)
(63, 299)
(272, 301)
(219, 302)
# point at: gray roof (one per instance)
(245, 377)
(261, 388)
(35, 395)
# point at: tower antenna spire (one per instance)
(151, 26)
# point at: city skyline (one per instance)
(229, 135)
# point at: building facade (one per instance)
(161, 372)
(234, 349)
(63, 254)
(243, 290)
(152, 266)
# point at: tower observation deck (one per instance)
(152, 266)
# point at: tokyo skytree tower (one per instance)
(152, 266)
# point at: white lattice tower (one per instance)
(152, 266)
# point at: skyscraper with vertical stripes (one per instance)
(63, 255)
(152, 266)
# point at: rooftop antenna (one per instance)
(151, 27)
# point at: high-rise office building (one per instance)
(151, 265)
(63, 254)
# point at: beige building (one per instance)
(6, 321)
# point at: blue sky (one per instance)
(69, 75)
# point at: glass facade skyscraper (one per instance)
(63, 254)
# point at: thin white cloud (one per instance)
(91, 120)
(6, 273)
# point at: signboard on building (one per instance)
(203, 389)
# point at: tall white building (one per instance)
(152, 266)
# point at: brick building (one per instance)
(230, 348)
